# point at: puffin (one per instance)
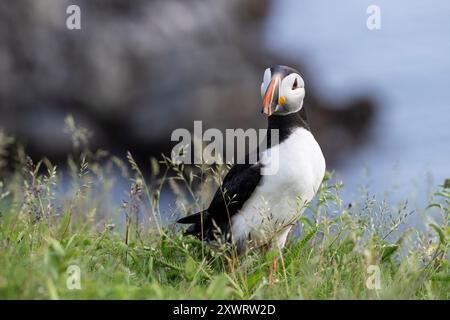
(258, 203)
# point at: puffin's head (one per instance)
(282, 91)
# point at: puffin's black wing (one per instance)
(236, 189)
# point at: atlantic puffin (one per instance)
(254, 209)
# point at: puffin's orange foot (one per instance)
(273, 271)
(232, 263)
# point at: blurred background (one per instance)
(377, 100)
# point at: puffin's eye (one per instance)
(295, 85)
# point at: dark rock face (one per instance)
(139, 69)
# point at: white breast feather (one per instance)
(280, 198)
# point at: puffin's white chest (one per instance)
(297, 167)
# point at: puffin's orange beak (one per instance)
(269, 98)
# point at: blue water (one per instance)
(405, 66)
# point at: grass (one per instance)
(52, 219)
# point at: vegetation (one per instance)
(52, 219)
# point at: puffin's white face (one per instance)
(282, 95)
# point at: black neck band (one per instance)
(286, 124)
